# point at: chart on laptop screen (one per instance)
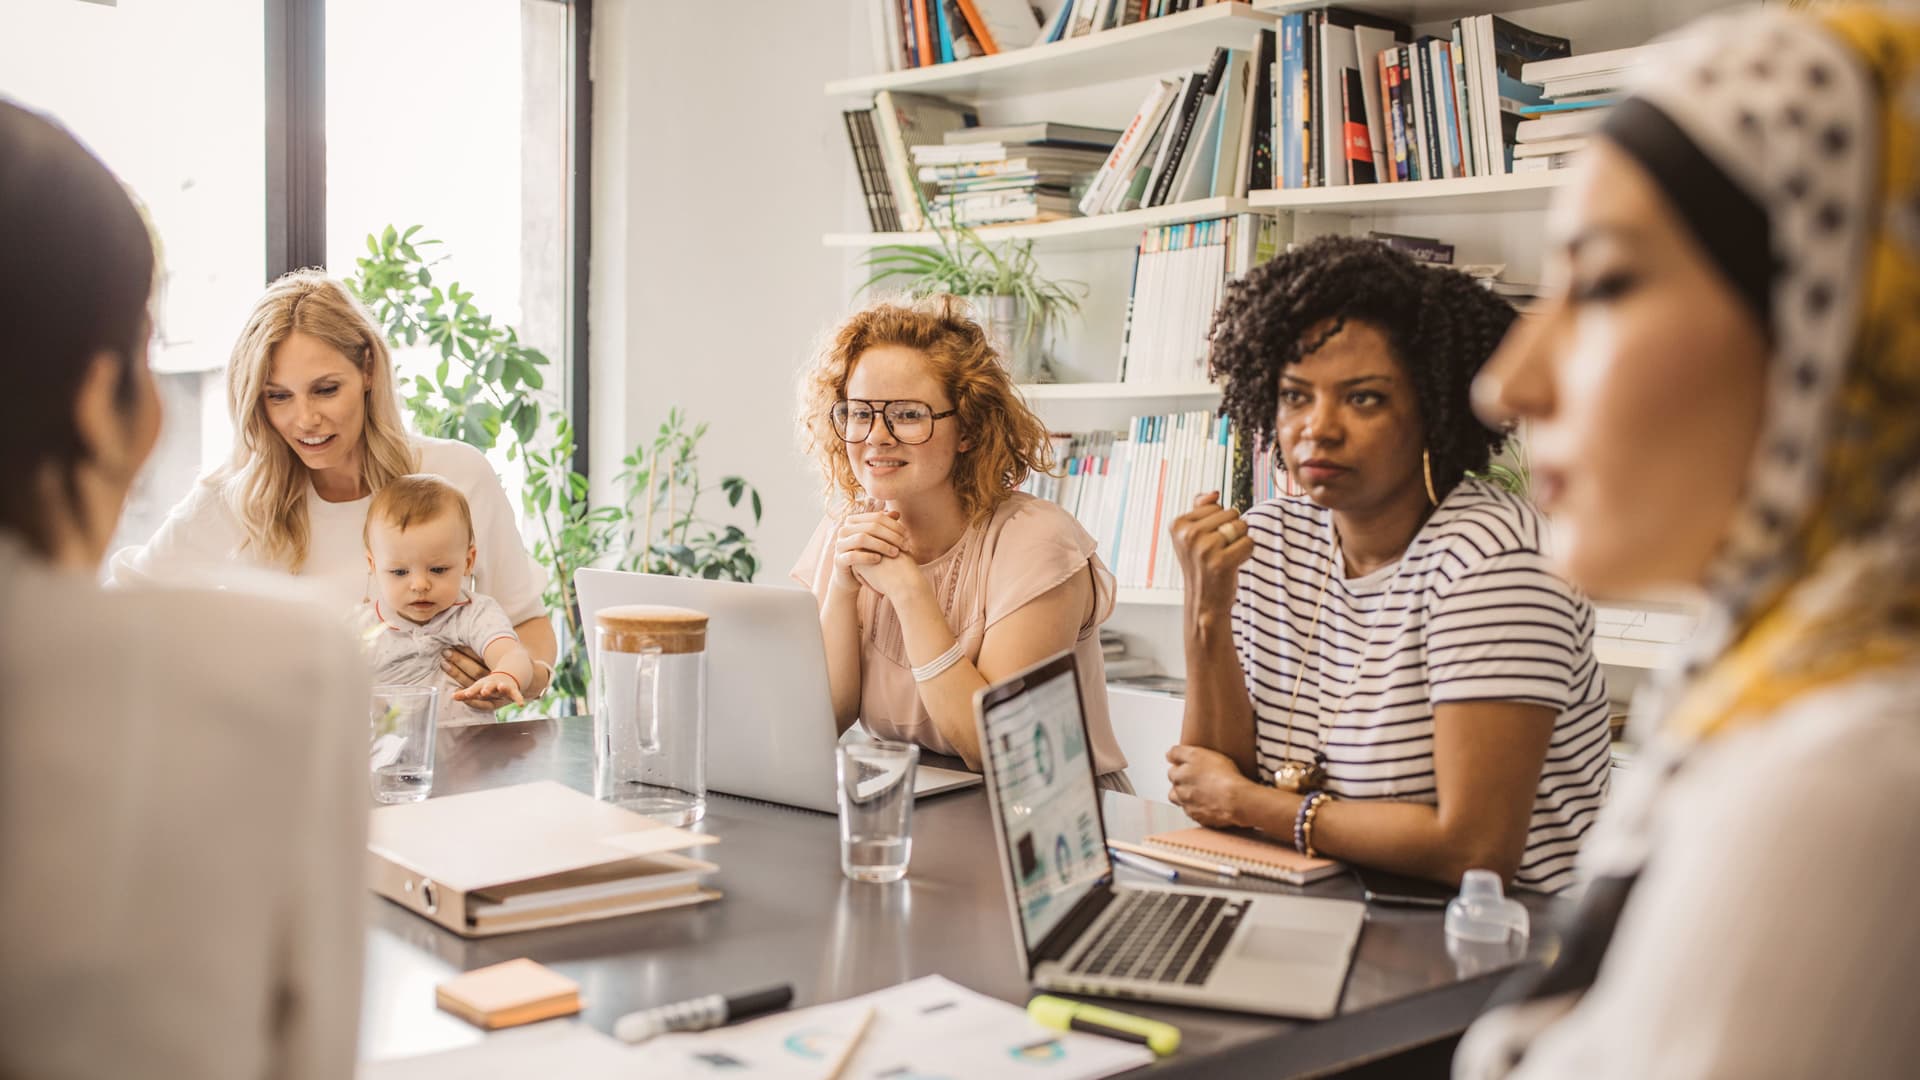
(1048, 803)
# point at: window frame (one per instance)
(296, 168)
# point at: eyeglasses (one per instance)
(910, 422)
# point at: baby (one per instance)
(419, 538)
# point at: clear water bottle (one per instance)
(1486, 929)
(650, 711)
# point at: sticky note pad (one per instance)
(516, 992)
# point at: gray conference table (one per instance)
(790, 916)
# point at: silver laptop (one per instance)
(1081, 932)
(770, 729)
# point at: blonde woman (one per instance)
(317, 431)
(935, 575)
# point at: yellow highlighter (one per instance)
(1064, 1015)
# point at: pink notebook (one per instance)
(1262, 858)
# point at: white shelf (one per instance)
(1171, 42)
(1466, 195)
(1149, 597)
(1646, 655)
(1069, 234)
(1409, 11)
(1092, 391)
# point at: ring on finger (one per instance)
(1232, 530)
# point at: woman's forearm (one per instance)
(1218, 715)
(948, 696)
(840, 629)
(1400, 837)
(537, 637)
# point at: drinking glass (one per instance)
(400, 756)
(876, 809)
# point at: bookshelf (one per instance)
(1097, 80)
(1132, 393)
(1408, 11)
(1103, 231)
(1513, 193)
(1149, 597)
(1143, 49)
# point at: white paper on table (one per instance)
(566, 1048)
(928, 1029)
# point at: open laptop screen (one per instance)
(1042, 778)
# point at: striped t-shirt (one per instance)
(1471, 612)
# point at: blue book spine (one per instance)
(1290, 164)
(944, 35)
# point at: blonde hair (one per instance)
(415, 499)
(1009, 443)
(264, 482)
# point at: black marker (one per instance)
(701, 1013)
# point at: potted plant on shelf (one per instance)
(1011, 299)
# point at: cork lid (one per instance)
(633, 627)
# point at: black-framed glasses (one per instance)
(910, 422)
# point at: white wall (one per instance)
(718, 163)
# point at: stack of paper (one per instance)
(928, 1027)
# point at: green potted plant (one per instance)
(1012, 300)
(480, 392)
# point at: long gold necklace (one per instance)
(1294, 774)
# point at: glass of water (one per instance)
(400, 755)
(876, 809)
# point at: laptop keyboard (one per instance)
(1161, 937)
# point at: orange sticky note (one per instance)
(516, 992)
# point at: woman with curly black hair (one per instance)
(1382, 669)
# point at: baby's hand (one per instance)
(494, 686)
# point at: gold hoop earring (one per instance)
(1426, 468)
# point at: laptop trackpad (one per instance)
(1291, 945)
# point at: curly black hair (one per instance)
(1442, 326)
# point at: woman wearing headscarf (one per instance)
(1725, 393)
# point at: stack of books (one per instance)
(1576, 94)
(1180, 275)
(1120, 663)
(920, 33)
(1020, 172)
(1200, 135)
(880, 137)
(1126, 488)
(1358, 100)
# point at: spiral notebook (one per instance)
(1262, 858)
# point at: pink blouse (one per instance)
(1026, 547)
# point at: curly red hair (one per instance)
(1008, 442)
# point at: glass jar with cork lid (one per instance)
(650, 711)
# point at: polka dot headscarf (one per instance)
(1790, 145)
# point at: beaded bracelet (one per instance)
(1311, 811)
(1300, 822)
(935, 667)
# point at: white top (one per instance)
(1772, 931)
(202, 541)
(407, 653)
(1471, 612)
(183, 807)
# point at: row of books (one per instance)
(1078, 18)
(1201, 135)
(1494, 277)
(1576, 93)
(1125, 488)
(1180, 274)
(1019, 172)
(920, 33)
(881, 137)
(1358, 100)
